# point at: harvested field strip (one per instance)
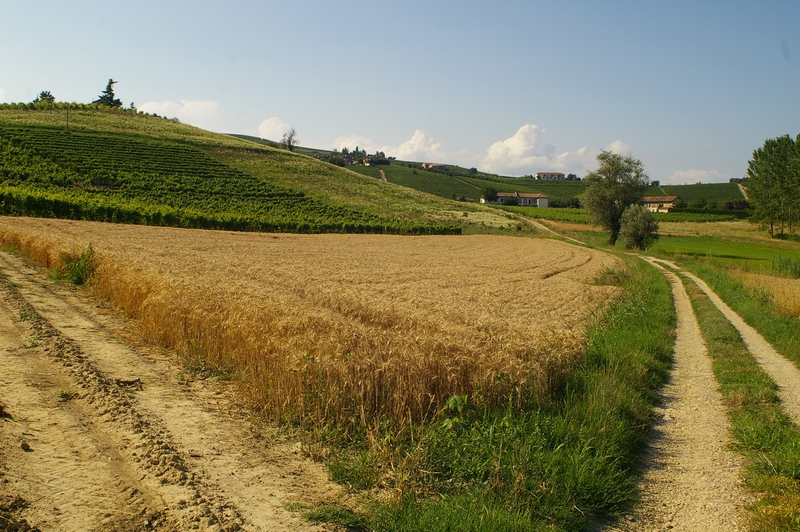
(118, 438)
(344, 327)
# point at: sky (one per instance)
(690, 88)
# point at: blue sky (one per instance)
(690, 88)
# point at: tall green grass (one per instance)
(562, 464)
(765, 435)
(786, 266)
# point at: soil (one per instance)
(100, 432)
(690, 479)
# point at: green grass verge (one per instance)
(757, 256)
(765, 435)
(560, 465)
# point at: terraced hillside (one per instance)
(132, 168)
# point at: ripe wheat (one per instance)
(342, 328)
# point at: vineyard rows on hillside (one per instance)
(109, 177)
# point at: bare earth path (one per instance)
(744, 192)
(783, 372)
(103, 433)
(691, 481)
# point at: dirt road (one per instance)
(691, 479)
(782, 371)
(103, 433)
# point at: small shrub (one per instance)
(639, 228)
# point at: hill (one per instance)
(457, 182)
(122, 166)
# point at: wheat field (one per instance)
(342, 328)
(785, 292)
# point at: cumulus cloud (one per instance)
(418, 147)
(273, 128)
(619, 147)
(196, 112)
(524, 152)
(351, 142)
(520, 151)
(690, 177)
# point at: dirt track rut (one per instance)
(102, 433)
(691, 480)
(783, 372)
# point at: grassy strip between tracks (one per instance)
(560, 466)
(764, 434)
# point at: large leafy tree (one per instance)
(773, 184)
(107, 96)
(616, 184)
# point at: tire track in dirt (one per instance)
(690, 480)
(83, 484)
(152, 456)
(783, 372)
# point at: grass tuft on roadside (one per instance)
(76, 270)
(766, 436)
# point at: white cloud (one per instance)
(690, 177)
(524, 153)
(418, 147)
(195, 112)
(351, 142)
(619, 147)
(2, 94)
(273, 128)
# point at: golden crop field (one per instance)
(785, 292)
(347, 327)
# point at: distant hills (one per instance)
(459, 183)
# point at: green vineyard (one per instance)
(117, 177)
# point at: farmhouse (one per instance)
(551, 176)
(659, 203)
(524, 199)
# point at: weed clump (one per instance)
(78, 270)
